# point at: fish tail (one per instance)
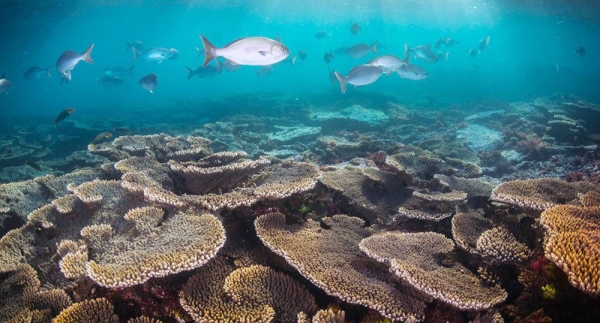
(200, 51)
(294, 61)
(130, 70)
(406, 50)
(128, 44)
(48, 71)
(342, 81)
(209, 51)
(135, 53)
(374, 47)
(219, 66)
(446, 55)
(190, 72)
(87, 55)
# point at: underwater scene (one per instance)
(300, 161)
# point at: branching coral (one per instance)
(502, 246)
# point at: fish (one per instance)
(156, 54)
(200, 51)
(101, 137)
(205, 72)
(122, 130)
(148, 82)
(412, 72)
(355, 28)
(580, 51)
(117, 71)
(439, 43)
(35, 72)
(253, 51)
(340, 51)
(321, 34)
(302, 55)
(332, 76)
(5, 84)
(63, 115)
(389, 63)
(69, 59)
(421, 52)
(327, 57)
(137, 45)
(264, 71)
(450, 42)
(33, 165)
(361, 50)
(229, 66)
(484, 43)
(473, 52)
(107, 80)
(443, 56)
(359, 75)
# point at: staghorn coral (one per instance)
(467, 227)
(540, 194)
(415, 257)
(202, 297)
(375, 194)
(259, 285)
(99, 310)
(502, 246)
(572, 241)
(330, 259)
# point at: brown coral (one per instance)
(590, 198)
(573, 242)
(415, 257)
(467, 227)
(98, 310)
(502, 246)
(330, 258)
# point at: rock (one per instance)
(480, 138)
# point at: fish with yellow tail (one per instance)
(63, 115)
(101, 137)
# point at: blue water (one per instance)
(531, 52)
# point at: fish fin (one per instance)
(130, 70)
(128, 46)
(446, 55)
(263, 53)
(219, 66)
(209, 51)
(406, 50)
(388, 73)
(48, 71)
(278, 38)
(135, 53)
(190, 72)
(294, 61)
(374, 47)
(87, 55)
(342, 81)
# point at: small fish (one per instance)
(389, 63)
(137, 45)
(443, 56)
(33, 165)
(101, 137)
(421, 52)
(69, 59)
(107, 80)
(148, 82)
(253, 51)
(229, 66)
(264, 71)
(473, 52)
(450, 42)
(355, 28)
(302, 55)
(439, 43)
(580, 51)
(359, 75)
(205, 72)
(328, 56)
(117, 71)
(5, 84)
(122, 130)
(412, 72)
(484, 43)
(35, 72)
(321, 34)
(332, 76)
(361, 50)
(63, 115)
(156, 54)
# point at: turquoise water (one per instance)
(531, 52)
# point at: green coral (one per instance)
(549, 291)
(304, 208)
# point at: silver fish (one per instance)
(422, 52)
(35, 72)
(359, 75)
(204, 72)
(156, 54)
(69, 59)
(412, 72)
(117, 71)
(138, 45)
(5, 84)
(148, 82)
(389, 63)
(361, 50)
(253, 51)
(108, 80)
